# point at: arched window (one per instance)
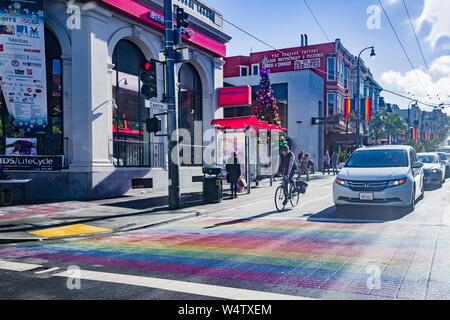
(190, 109)
(50, 140)
(131, 147)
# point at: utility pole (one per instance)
(358, 94)
(172, 124)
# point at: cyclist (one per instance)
(288, 168)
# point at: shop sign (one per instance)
(136, 9)
(31, 163)
(234, 96)
(294, 59)
(22, 63)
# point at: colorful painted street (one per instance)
(307, 252)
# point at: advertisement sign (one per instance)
(22, 63)
(234, 96)
(31, 163)
(21, 146)
(294, 59)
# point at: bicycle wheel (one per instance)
(295, 196)
(279, 199)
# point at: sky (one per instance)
(359, 24)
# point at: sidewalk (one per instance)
(130, 212)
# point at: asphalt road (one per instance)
(249, 252)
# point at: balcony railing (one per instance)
(132, 153)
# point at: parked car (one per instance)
(445, 161)
(380, 176)
(433, 170)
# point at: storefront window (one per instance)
(131, 147)
(49, 141)
(190, 110)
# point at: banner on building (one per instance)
(349, 108)
(366, 109)
(32, 163)
(22, 63)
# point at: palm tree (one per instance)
(394, 126)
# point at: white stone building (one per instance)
(99, 126)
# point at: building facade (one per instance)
(296, 67)
(94, 52)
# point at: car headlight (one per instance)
(396, 183)
(341, 182)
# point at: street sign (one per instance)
(151, 104)
(317, 121)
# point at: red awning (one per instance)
(243, 123)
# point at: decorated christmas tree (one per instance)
(266, 107)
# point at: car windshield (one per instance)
(428, 158)
(442, 156)
(378, 159)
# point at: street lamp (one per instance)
(409, 115)
(358, 92)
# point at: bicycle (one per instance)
(293, 196)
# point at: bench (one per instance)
(18, 183)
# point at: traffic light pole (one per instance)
(174, 179)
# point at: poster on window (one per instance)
(21, 147)
(22, 63)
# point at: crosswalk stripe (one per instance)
(17, 266)
(180, 286)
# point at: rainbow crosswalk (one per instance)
(319, 260)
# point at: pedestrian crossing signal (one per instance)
(153, 125)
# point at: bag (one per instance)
(242, 184)
(301, 187)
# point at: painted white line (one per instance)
(180, 286)
(344, 220)
(47, 271)
(16, 266)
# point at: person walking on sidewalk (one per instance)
(334, 162)
(233, 169)
(326, 162)
(304, 166)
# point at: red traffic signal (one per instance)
(147, 65)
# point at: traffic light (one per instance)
(182, 18)
(149, 79)
(153, 125)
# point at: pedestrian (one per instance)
(233, 169)
(300, 156)
(312, 166)
(326, 162)
(334, 162)
(304, 166)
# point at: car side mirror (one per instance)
(417, 165)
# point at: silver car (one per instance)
(433, 169)
(380, 176)
(445, 161)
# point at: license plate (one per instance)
(366, 196)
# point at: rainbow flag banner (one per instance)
(366, 109)
(349, 107)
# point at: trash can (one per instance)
(212, 184)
